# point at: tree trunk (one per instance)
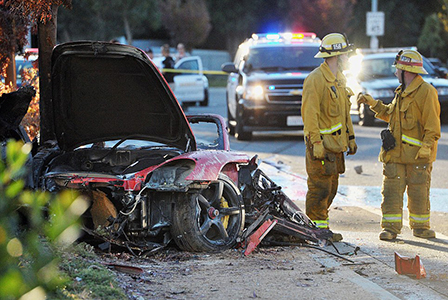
(47, 40)
(11, 75)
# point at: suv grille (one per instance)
(281, 92)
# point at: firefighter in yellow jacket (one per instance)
(414, 124)
(328, 127)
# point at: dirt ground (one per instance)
(297, 272)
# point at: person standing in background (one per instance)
(181, 52)
(167, 63)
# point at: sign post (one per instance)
(374, 25)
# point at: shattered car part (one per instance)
(254, 239)
(409, 266)
(13, 107)
(265, 200)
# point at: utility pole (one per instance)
(374, 38)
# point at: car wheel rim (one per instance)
(218, 212)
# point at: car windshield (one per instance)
(383, 68)
(282, 58)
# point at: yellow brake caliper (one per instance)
(225, 220)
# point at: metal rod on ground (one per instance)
(276, 243)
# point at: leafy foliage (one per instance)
(187, 21)
(31, 121)
(13, 30)
(432, 40)
(28, 265)
(108, 17)
(334, 15)
(36, 10)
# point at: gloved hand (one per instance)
(366, 98)
(423, 152)
(352, 147)
(318, 150)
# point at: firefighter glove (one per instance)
(366, 98)
(423, 152)
(352, 147)
(318, 150)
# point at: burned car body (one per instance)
(118, 136)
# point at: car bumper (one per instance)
(267, 117)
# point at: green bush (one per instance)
(32, 225)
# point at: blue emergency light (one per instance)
(284, 36)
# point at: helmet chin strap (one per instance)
(403, 83)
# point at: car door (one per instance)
(189, 83)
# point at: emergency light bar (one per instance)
(290, 36)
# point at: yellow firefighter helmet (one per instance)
(334, 44)
(411, 61)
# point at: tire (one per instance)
(206, 97)
(240, 133)
(209, 220)
(366, 117)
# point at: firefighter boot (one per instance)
(337, 237)
(387, 235)
(424, 233)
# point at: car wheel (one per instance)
(240, 133)
(366, 117)
(209, 220)
(206, 97)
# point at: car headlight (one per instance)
(254, 92)
(171, 177)
(381, 93)
(442, 90)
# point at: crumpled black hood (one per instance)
(105, 91)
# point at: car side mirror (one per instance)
(229, 68)
(440, 73)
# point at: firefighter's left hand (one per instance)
(352, 147)
(423, 152)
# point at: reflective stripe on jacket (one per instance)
(414, 118)
(326, 109)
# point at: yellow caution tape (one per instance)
(193, 71)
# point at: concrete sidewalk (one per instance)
(374, 268)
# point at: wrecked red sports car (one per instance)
(119, 136)
(114, 132)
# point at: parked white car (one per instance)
(190, 84)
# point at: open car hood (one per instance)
(104, 91)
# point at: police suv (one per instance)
(265, 82)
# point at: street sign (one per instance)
(375, 23)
